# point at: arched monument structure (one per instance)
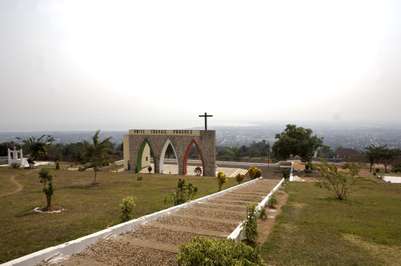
(156, 142)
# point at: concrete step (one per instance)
(198, 231)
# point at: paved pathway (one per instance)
(157, 242)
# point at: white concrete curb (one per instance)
(238, 233)
(75, 246)
(292, 178)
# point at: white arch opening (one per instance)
(172, 170)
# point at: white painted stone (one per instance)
(38, 210)
(392, 179)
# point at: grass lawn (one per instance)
(316, 229)
(88, 208)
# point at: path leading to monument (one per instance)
(18, 188)
(157, 242)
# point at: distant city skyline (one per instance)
(115, 65)
(334, 136)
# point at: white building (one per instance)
(16, 157)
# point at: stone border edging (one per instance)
(237, 234)
(75, 246)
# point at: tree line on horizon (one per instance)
(293, 142)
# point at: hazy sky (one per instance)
(155, 64)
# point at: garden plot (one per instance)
(157, 242)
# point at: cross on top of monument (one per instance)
(205, 116)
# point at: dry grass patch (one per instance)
(316, 229)
(390, 255)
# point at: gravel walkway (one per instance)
(157, 242)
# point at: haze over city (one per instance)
(84, 65)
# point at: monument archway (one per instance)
(180, 140)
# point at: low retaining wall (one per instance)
(80, 244)
(238, 233)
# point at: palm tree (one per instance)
(373, 155)
(97, 154)
(37, 147)
(381, 154)
(47, 180)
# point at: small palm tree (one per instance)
(97, 154)
(47, 180)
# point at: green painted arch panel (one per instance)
(138, 166)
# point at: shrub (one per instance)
(308, 167)
(339, 182)
(139, 178)
(57, 166)
(239, 178)
(397, 168)
(254, 172)
(221, 179)
(272, 202)
(203, 251)
(285, 173)
(251, 226)
(47, 180)
(183, 193)
(127, 208)
(263, 214)
(150, 169)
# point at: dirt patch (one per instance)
(298, 205)
(290, 228)
(265, 226)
